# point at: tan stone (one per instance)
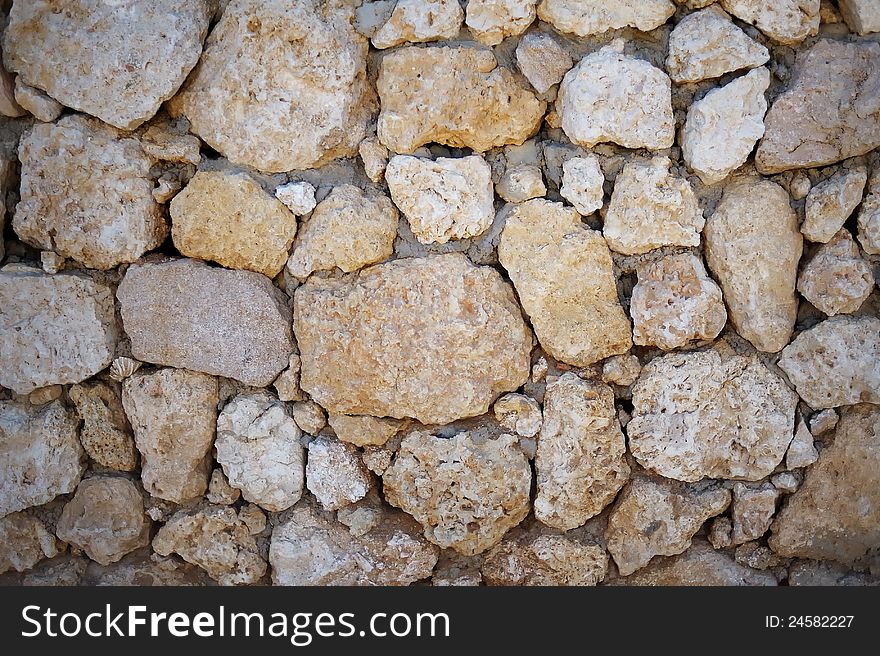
(520, 183)
(309, 416)
(542, 60)
(43, 107)
(823, 421)
(287, 383)
(720, 533)
(827, 573)
(582, 182)
(862, 16)
(45, 394)
(518, 414)
(869, 223)
(220, 492)
(621, 370)
(170, 141)
(830, 203)
(417, 21)
(544, 560)
(752, 511)
(453, 569)
(24, 541)
(364, 430)
(837, 279)
(587, 17)
(375, 158)
(784, 21)
(106, 435)
(8, 105)
(491, 21)
(335, 473)
(802, 451)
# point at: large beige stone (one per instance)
(466, 493)
(696, 415)
(580, 441)
(563, 273)
(119, 63)
(491, 21)
(830, 203)
(24, 541)
(87, 193)
(785, 21)
(226, 217)
(829, 111)
(862, 16)
(364, 430)
(183, 313)
(281, 85)
(417, 21)
(173, 413)
(544, 560)
(753, 247)
(106, 434)
(542, 60)
(458, 96)
(837, 279)
(335, 473)
(433, 338)
(587, 17)
(53, 329)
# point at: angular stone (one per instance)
(491, 21)
(43, 107)
(862, 16)
(582, 182)
(580, 441)
(465, 493)
(173, 413)
(869, 223)
(544, 560)
(564, 275)
(458, 96)
(587, 17)
(226, 217)
(521, 183)
(40, 455)
(24, 541)
(8, 106)
(752, 511)
(753, 247)
(802, 451)
(830, 203)
(282, 85)
(54, 330)
(823, 421)
(335, 473)
(707, 44)
(118, 65)
(442, 199)
(786, 481)
(87, 193)
(375, 158)
(721, 128)
(519, 414)
(829, 111)
(309, 416)
(837, 279)
(417, 21)
(364, 430)
(106, 434)
(697, 416)
(621, 370)
(287, 383)
(720, 532)
(348, 230)
(784, 21)
(835, 514)
(542, 60)
(433, 338)
(298, 197)
(675, 302)
(220, 492)
(183, 313)
(609, 96)
(258, 446)
(836, 362)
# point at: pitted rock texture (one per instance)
(417, 21)
(586, 17)
(582, 182)
(544, 560)
(491, 21)
(364, 430)
(830, 203)
(106, 434)
(784, 21)
(837, 279)
(24, 541)
(335, 473)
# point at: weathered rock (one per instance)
(335, 473)
(105, 518)
(827, 573)
(752, 511)
(544, 560)
(721, 128)
(829, 111)
(377, 459)
(220, 492)
(785, 21)
(442, 199)
(45, 394)
(786, 481)
(582, 182)
(830, 203)
(226, 217)
(43, 107)
(563, 273)
(183, 313)
(697, 416)
(453, 569)
(542, 60)
(24, 541)
(287, 383)
(862, 16)
(465, 493)
(650, 208)
(836, 362)
(40, 455)
(837, 279)
(86, 193)
(836, 512)
(580, 441)
(869, 223)
(374, 157)
(676, 302)
(586, 17)
(609, 96)
(348, 230)
(364, 430)
(658, 517)
(418, 21)
(53, 329)
(144, 568)
(281, 85)
(173, 413)
(106, 435)
(823, 421)
(721, 532)
(519, 414)
(802, 451)
(309, 416)
(521, 183)
(8, 106)
(458, 96)
(258, 446)
(753, 247)
(298, 197)
(433, 338)
(117, 65)
(621, 370)
(706, 44)
(491, 21)
(215, 539)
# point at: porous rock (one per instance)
(582, 181)
(830, 203)
(298, 197)
(364, 430)
(752, 511)
(519, 414)
(417, 21)
(542, 60)
(106, 434)
(24, 541)
(587, 17)
(837, 279)
(335, 473)
(785, 21)
(543, 560)
(491, 21)
(309, 416)
(521, 183)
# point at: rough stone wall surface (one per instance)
(497, 292)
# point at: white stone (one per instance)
(830, 203)
(582, 182)
(335, 473)
(418, 21)
(299, 197)
(491, 21)
(586, 17)
(43, 107)
(785, 21)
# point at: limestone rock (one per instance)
(582, 182)
(720, 532)
(621, 370)
(697, 416)
(580, 441)
(869, 223)
(215, 539)
(651, 208)
(417, 21)
(8, 106)
(827, 573)
(227, 218)
(658, 517)
(519, 414)
(335, 473)
(542, 60)
(544, 560)
(453, 569)
(186, 314)
(862, 16)
(752, 510)
(377, 459)
(220, 492)
(281, 85)
(491, 21)
(43, 107)
(298, 197)
(349, 229)
(442, 199)
(609, 96)
(105, 518)
(106, 435)
(309, 416)
(40, 455)
(118, 65)
(173, 413)
(563, 273)
(24, 541)
(785, 21)
(786, 481)
(721, 128)
(464, 492)
(458, 96)
(375, 158)
(823, 421)
(830, 203)
(53, 329)
(836, 512)
(364, 430)
(753, 247)
(676, 302)
(836, 362)
(837, 279)
(434, 338)
(287, 383)
(706, 44)
(86, 193)
(802, 451)
(829, 111)
(258, 446)
(521, 183)
(587, 17)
